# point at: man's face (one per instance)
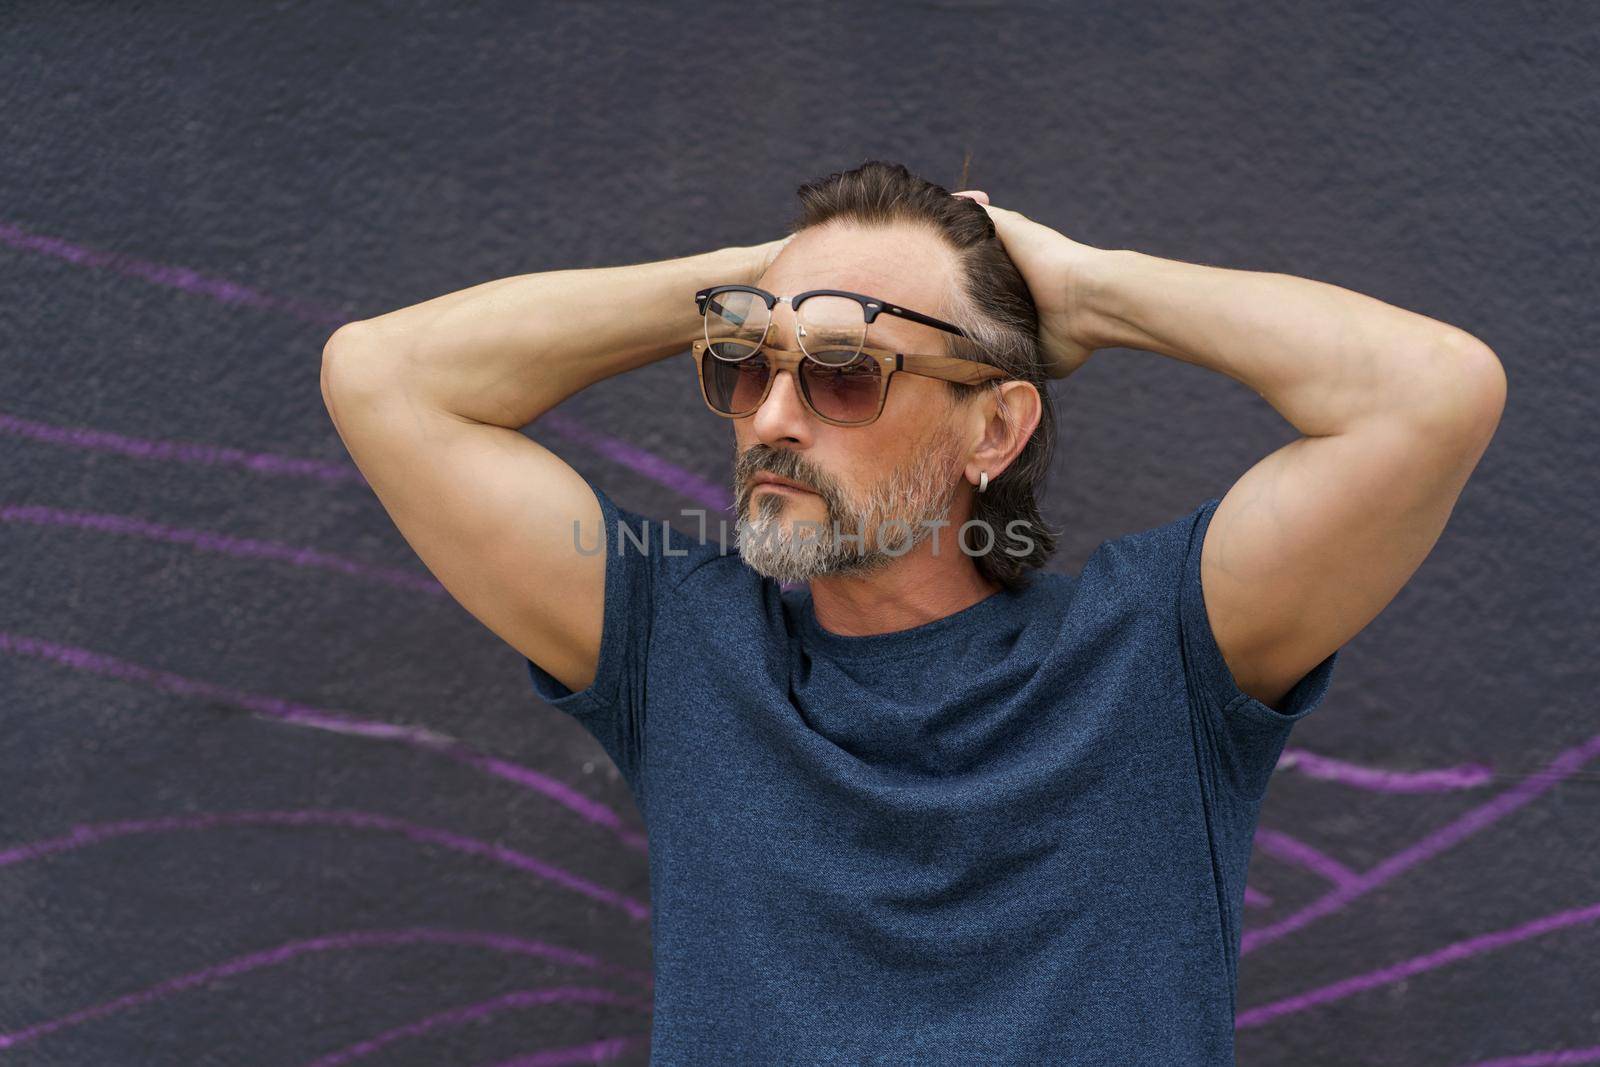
(904, 468)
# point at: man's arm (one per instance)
(1311, 543)
(429, 400)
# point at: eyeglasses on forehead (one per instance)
(871, 307)
(843, 386)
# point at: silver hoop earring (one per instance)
(983, 480)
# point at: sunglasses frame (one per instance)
(890, 363)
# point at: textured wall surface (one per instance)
(270, 797)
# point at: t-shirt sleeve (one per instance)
(641, 567)
(1243, 736)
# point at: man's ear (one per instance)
(1004, 417)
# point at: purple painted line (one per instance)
(594, 1052)
(1563, 766)
(83, 659)
(522, 998)
(1454, 953)
(1443, 780)
(180, 451)
(85, 834)
(1565, 1057)
(330, 943)
(1254, 898)
(635, 458)
(645, 463)
(209, 541)
(562, 425)
(181, 278)
(1293, 850)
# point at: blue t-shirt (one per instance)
(1014, 835)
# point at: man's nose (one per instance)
(783, 416)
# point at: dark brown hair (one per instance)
(991, 302)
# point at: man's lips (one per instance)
(774, 482)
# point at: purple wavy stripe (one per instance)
(645, 464)
(180, 451)
(1454, 953)
(596, 1052)
(1254, 898)
(330, 943)
(1443, 780)
(1565, 1057)
(1294, 851)
(182, 278)
(209, 541)
(1562, 767)
(83, 659)
(522, 998)
(85, 834)
(658, 470)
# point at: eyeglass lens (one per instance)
(835, 378)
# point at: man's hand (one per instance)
(761, 257)
(1058, 271)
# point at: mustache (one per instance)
(784, 463)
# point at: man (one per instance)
(936, 805)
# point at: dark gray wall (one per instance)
(209, 855)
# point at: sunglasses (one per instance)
(841, 380)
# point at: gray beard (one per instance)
(894, 518)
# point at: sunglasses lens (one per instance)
(734, 387)
(848, 392)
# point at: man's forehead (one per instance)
(862, 261)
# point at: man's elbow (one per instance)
(345, 360)
(1469, 390)
(346, 337)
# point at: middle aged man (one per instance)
(938, 805)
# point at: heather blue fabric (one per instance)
(1016, 834)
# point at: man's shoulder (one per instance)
(1144, 569)
(677, 536)
(687, 552)
(1156, 551)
